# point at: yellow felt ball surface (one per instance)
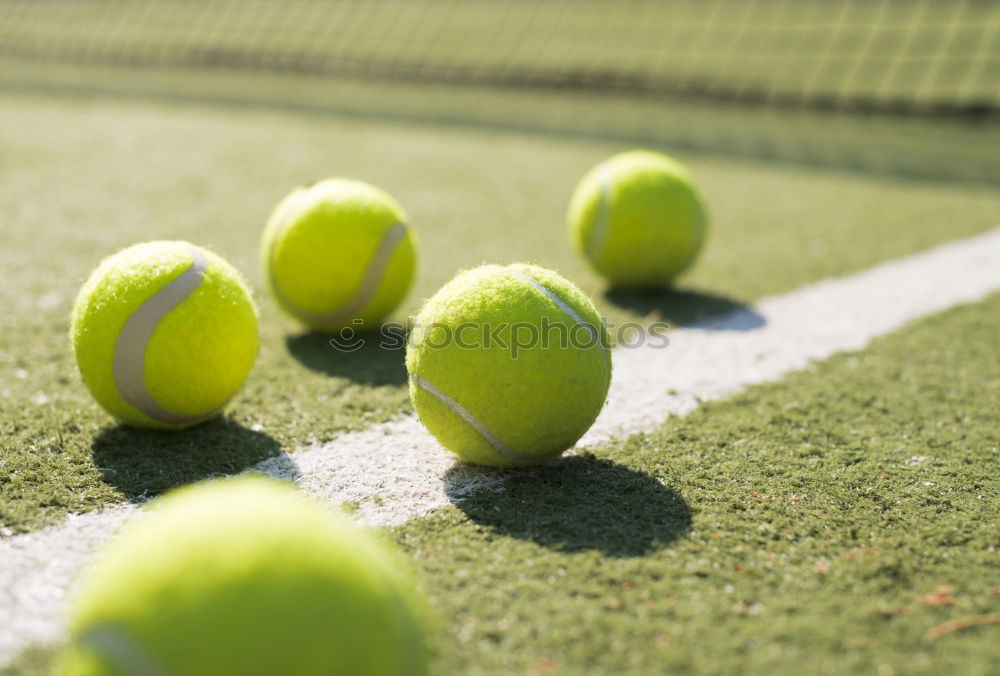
(164, 334)
(638, 219)
(508, 365)
(241, 577)
(338, 253)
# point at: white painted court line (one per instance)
(399, 462)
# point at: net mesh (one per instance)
(905, 56)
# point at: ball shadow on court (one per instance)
(579, 503)
(688, 308)
(144, 463)
(373, 358)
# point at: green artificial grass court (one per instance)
(825, 522)
(83, 176)
(842, 519)
(833, 519)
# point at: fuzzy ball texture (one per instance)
(245, 576)
(638, 219)
(509, 365)
(338, 253)
(164, 334)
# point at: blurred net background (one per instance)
(898, 85)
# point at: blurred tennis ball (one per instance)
(509, 365)
(638, 219)
(164, 334)
(337, 253)
(245, 576)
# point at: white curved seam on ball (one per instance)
(366, 291)
(128, 364)
(600, 233)
(552, 296)
(472, 422)
(123, 653)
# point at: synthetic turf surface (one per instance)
(825, 522)
(82, 177)
(828, 520)
(832, 519)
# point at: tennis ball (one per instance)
(338, 253)
(508, 365)
(164, 334)
(244, 576)
(638, 219)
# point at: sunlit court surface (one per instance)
(527, 337)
